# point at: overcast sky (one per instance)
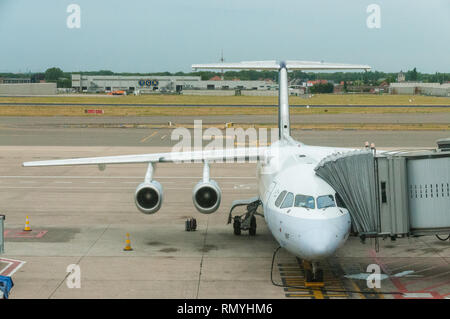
(170, 35)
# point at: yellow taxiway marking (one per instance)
(293, 276)
(357, 289)
(318, 294)
(150, 136)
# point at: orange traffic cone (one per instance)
(27, 225)
(128, 244)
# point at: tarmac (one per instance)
(80, 216)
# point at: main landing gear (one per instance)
(246, 221)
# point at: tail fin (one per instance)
(282, 68)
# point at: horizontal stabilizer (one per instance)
(290, 65)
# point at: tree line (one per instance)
(63, 79)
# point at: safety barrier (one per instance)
(2, 234)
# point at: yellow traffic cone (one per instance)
(128, 244)
(27, 225)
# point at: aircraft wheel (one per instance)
(237, 226)
(309, 276)
(252, 229)
(319, 275)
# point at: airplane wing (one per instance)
(309, 65)
(226, 155)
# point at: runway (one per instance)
(132, 131)
(80, 215)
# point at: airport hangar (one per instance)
(158, 84)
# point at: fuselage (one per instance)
(303, 212)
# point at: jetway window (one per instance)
(304, 201)
(288, 201)
(339, 201)
(383, 192)
(280, 198)
(325, 201)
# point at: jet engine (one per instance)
(206, 196)
(148, 197)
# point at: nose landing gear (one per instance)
(313, 274)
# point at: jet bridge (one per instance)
(393, 194)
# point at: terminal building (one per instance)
(159, 84)
(14, 80)
(413, 88)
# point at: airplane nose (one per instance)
(319, 243)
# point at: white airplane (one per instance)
(304, 213)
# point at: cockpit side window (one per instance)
(288, 201)
(325, 201)
(339, 201)
(280, 198)
(305, 201)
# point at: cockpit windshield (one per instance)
(288, 201)
(325, 201)
(280, 198)
(304, 201)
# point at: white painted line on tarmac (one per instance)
(417, 295)
(138, 182)
(8, 264)
(11, 262)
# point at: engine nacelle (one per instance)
(206, 196)
(148, 197)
